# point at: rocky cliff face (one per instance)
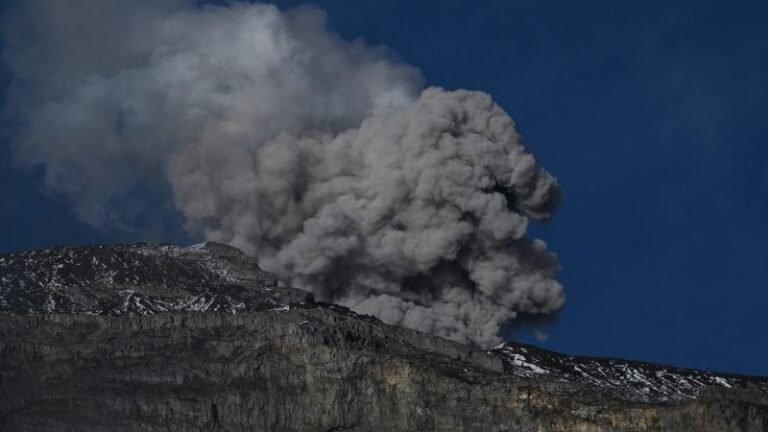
(158, 338)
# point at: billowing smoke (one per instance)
(324, 158)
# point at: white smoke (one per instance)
(319, 156)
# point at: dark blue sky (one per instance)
(652, 116)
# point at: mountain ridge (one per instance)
(120, 313)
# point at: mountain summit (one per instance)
(162, 338)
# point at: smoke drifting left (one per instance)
(326, 159)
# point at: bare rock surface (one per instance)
(161, 338)
(137, 279)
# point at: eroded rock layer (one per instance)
(279, 361)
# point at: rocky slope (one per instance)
(137, 279)
(159, 338)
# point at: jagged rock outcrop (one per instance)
(158, 338)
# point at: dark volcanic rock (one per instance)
(139, 279)
(253, 356)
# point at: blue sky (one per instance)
(651, 115)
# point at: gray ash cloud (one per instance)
(326, 159)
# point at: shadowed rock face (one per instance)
(79, 352)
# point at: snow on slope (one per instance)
(634, 380)
(139, 278)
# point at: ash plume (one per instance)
(324, 158)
